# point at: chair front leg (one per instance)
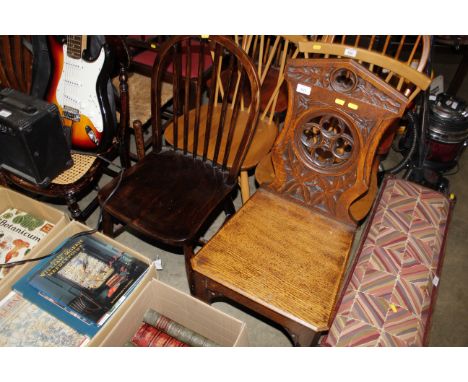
(73, 207)
(107, 224)
(188, 253)
(244, 186)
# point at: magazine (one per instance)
(83, 283)
(19, 233)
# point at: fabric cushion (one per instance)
(388, 298)
(148, 57)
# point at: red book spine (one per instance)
(149, 336)
(144, 335)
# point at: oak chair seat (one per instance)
(263, 139)
(152, 196)
(293, 269)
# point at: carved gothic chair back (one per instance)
(339, 111)
(172, 192)
(285, 252)
(398, 61)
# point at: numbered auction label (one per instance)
(304, 89)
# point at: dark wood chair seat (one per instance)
(153, 196)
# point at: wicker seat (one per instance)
(81, 165)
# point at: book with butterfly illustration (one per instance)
(83, 282)
(19, 233)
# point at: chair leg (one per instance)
(244, 186)
(188, 254)
(73, 207)
(3, 181)
(107, 224)
(200, 290)
(207, 289)
(229, 208)
(301, 335)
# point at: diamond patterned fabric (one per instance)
(387, 299)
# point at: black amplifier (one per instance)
(32, 142)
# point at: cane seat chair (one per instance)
(284, 253)
(72, 184)
(171, 194)
(398, 60)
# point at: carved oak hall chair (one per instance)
(397, 60)
(173, 192)
(284, 253)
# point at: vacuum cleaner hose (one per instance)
(412, 129)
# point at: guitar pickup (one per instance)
(71, 113)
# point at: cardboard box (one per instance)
(72, 228)
(12, 199)
(182, 308)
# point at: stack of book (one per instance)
(69, 295)
(157, 330)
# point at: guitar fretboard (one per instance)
(74, 46)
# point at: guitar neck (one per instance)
(75, 46)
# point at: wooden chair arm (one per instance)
(123, 133)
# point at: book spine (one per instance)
(176, 330)
(119, 302)
(149, 336)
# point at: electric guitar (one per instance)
(79, 89)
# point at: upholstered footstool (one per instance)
(391, 290)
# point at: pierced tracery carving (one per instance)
(326, 141)
(325, 144)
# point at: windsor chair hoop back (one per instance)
(171, 194)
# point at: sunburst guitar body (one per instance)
(79, 89)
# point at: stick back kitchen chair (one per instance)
(171, 194)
